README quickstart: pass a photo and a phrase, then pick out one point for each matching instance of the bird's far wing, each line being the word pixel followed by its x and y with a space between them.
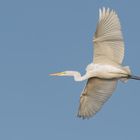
pixel 108 39
pixel 94 95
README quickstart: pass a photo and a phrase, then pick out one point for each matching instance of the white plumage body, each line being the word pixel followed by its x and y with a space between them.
pixel 107 71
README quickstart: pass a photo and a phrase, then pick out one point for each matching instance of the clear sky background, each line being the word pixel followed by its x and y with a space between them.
pixel 46 36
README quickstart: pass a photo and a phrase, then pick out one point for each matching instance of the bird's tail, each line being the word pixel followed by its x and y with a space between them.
pixel 135 77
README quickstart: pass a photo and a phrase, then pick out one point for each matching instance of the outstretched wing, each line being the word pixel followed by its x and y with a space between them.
pixel 95 94
pixel 108 39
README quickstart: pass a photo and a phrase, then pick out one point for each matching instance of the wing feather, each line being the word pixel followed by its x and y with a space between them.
pixel 108 39
pixel 94 95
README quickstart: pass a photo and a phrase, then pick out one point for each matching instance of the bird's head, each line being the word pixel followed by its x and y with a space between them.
pixel 64 73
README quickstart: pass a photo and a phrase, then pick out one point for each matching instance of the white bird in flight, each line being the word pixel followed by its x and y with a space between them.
pixel 104 72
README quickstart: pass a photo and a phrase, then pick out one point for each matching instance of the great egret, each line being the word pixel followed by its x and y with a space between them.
pixel 106 69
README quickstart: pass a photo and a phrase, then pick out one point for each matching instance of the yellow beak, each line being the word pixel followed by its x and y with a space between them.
pixel 57 74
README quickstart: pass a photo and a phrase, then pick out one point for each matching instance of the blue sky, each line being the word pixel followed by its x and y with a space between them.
pixel 46 36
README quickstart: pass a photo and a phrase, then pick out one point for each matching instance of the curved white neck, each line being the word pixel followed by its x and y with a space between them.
pixel 77 76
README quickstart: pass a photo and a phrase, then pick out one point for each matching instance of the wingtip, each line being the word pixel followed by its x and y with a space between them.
pixel 105 11
pixel 83 117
